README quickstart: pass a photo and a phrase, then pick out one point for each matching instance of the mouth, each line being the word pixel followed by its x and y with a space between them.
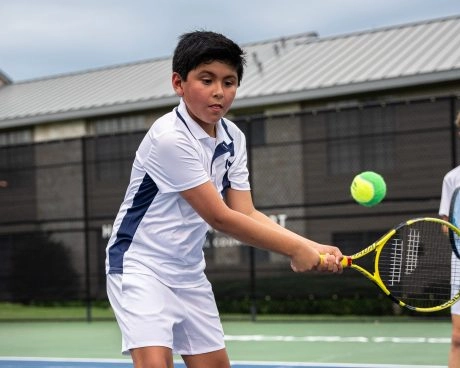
pixel 216 107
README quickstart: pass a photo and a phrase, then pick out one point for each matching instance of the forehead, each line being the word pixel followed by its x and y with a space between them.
pixel 217 67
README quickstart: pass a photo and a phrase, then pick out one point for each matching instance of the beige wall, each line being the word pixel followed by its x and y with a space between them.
pixel 59 130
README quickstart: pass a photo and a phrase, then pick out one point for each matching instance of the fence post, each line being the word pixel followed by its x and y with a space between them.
pixel 86 230
pixel 252 255
pixel 453 130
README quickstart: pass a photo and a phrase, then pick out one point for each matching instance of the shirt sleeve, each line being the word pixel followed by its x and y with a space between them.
pixel 174 163
pixel 446 194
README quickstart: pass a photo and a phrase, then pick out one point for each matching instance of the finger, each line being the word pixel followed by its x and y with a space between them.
pixel 293 267
pixel 329 262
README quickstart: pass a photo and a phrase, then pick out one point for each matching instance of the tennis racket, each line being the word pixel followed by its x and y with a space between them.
pixel 454 219
pixel 412 264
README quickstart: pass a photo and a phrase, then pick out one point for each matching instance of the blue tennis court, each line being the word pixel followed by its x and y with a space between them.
pixel 116 363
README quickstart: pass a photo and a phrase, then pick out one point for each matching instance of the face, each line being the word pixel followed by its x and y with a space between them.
pixel 208 92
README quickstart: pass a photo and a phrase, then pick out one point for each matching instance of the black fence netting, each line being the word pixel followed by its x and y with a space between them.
pixel 61 198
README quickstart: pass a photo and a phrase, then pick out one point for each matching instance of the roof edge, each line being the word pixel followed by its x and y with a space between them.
pixel 5 79
pixel 243 102
pixel 349 89
pixel 90 112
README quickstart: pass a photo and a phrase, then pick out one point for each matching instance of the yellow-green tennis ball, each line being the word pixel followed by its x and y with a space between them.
pixel 368 188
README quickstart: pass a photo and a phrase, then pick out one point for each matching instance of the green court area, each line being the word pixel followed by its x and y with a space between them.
pixel 406 341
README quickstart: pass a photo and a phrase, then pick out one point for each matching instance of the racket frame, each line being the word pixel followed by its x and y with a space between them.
pixel 348 261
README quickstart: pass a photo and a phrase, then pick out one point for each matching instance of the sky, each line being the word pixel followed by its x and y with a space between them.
pixel 41 38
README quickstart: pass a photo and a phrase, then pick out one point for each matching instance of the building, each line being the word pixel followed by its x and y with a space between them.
pixel 316 112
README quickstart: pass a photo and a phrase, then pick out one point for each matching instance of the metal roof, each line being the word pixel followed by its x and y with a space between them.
pixel 287 69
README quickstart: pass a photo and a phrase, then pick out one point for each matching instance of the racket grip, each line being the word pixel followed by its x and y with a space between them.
pixel 346 260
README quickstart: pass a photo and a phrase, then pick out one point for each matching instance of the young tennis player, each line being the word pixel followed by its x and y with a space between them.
pixel 190 175
pixel 450 182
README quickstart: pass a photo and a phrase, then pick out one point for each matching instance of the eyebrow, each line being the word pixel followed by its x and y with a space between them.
pixel 207 71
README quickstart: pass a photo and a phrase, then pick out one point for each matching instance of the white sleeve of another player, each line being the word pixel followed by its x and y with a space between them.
pixel 446 195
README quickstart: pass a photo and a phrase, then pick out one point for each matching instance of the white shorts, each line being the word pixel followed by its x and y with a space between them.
pixel 150 313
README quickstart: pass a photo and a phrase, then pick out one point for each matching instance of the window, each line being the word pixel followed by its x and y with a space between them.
pixel 15 137
pixel 359 139
pixel 114 151
pixel 119 124
pixel 114 155
pixel 254 130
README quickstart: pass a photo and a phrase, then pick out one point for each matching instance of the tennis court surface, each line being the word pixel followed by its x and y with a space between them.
pixel 327 344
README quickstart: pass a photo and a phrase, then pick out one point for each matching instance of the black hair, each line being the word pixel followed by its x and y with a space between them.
pixel 199 47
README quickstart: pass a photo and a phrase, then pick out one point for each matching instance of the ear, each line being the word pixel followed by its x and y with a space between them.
pixel 177 84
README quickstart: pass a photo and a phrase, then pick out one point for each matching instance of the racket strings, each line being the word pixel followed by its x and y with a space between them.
pixel 396 262
pixel 413 246
pixel 416 265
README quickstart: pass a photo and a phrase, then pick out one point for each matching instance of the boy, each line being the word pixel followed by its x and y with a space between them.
pixel 190 174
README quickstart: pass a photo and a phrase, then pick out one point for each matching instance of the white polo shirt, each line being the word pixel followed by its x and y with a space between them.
pixel 450 182
pixel 156 231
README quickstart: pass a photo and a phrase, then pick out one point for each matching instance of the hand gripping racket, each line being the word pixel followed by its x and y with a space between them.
pixel 454 219
pixel 412 264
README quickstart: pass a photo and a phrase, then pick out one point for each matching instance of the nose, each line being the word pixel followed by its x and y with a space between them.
pixel 218 90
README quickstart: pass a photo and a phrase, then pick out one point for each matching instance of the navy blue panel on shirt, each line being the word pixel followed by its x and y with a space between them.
pixel 141 202
pixel 226 129
pixel 225 182
pixel 221 149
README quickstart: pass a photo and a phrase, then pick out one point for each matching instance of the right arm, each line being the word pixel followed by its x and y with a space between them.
pixel 262 234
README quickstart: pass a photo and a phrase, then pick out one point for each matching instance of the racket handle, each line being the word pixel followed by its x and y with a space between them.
pixel 346 260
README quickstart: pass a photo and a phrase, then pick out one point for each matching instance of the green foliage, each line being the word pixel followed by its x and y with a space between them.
pixel 348 294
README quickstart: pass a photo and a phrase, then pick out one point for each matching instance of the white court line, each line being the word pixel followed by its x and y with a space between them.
pixel 76 360
pixel 333 365
pixel 360 339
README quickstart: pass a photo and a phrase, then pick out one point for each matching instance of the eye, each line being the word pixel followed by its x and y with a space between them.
pixel 229 82
pixel 206 81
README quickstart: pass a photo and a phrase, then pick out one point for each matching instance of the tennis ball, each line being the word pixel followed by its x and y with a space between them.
pixel 368 188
